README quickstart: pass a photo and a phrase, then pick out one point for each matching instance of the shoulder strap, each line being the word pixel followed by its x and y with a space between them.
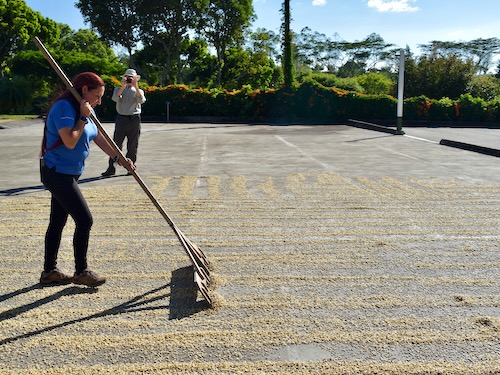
pixel 44 148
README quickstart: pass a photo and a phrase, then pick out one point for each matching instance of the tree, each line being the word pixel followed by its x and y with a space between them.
pixel 365 55
pixel 74 50
pixel 437 77
pixel 484 86
pixel 117 21
pixel 199 66
pixel 317 51
pixel 264 41
pixel 166 23
pixel 288 71
pixel 376 83
pixel 85 41
pixel 16 93
pixel 243 67
pixel 18 25
pixel 481 51
pixel 224 22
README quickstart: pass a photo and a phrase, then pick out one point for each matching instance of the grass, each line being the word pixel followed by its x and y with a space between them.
pixel 17 117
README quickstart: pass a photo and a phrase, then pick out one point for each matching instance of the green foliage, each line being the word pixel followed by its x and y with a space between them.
pixel 33 65
pixel 375 83
pixel 471 109
pixel 246 79
pixel 245 68
pixel 88 42
pixel 116 20
pixel 437 77
pixel 16 95
pixel 307 102
pixel 421 108
pixel 331 80
pixel 481 51
pixel 493 110
pixel 465 108
pixel 224 23
pixel 351 69
pixel 74 51
pixel 486 87
pixel 78 62
pixel 18 25
pixel 199 65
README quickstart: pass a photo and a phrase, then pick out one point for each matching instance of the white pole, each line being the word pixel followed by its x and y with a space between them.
pixel 401 83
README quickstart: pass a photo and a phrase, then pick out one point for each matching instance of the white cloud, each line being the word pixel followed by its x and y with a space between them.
pixel 392 5
pixel 319 3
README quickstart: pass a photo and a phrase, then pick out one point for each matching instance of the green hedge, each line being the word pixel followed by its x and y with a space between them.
pixel 309 102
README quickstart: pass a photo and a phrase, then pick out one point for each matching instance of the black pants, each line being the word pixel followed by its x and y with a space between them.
pixel 67 199
pixel 127 127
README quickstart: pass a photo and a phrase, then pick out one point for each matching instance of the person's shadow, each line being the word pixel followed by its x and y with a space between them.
pixel 183 302
pixel 37 188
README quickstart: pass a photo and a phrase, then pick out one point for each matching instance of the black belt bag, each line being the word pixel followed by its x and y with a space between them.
pixel 44 170
pixel 42 166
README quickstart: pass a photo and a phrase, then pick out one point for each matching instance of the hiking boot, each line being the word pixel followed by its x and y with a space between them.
pixel 108 172
pixel 55 277
pixel 88 278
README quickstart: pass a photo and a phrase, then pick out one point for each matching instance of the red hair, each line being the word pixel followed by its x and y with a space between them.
pixel 89 79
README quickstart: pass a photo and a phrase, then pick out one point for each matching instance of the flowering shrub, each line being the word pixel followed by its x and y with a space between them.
pixel 309 102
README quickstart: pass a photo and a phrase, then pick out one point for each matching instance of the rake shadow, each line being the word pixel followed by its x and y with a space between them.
pixel 184 294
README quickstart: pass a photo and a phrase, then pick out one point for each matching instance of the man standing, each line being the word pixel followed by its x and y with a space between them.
pixel 129 98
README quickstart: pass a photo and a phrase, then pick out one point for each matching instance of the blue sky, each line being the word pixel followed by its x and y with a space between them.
pixel 400 22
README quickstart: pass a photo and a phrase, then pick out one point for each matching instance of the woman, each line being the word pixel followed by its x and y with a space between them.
pixel 66 143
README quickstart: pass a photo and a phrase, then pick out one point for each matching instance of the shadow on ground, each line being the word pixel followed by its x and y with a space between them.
pixel 183 302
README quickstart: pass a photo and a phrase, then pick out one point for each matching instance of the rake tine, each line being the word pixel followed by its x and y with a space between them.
pixel 203 289
pixel 192 256
pixel 200 255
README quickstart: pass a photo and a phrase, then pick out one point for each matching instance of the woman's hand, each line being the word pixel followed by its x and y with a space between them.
pixel 85 108
pixel 129 164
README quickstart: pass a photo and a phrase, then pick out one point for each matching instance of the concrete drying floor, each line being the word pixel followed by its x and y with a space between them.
pixel 337 250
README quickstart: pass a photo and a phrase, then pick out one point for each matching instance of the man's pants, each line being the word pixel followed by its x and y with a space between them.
pixel 127 127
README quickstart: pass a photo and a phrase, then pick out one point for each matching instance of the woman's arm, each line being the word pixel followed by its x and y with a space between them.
pixel 70 136
pixel 110 151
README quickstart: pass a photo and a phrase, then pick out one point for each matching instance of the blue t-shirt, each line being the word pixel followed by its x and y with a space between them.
pixel 72 162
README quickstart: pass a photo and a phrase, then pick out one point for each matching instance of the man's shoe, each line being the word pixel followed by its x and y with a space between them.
pixel 108 172
pixel 55 277
pixel 88 278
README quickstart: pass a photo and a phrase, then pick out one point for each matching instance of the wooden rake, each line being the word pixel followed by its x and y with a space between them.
pixel 200 263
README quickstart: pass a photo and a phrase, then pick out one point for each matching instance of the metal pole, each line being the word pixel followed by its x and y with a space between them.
pixel 401 83
pixel 168 111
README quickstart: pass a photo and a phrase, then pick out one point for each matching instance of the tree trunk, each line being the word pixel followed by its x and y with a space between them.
pixel 287 46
